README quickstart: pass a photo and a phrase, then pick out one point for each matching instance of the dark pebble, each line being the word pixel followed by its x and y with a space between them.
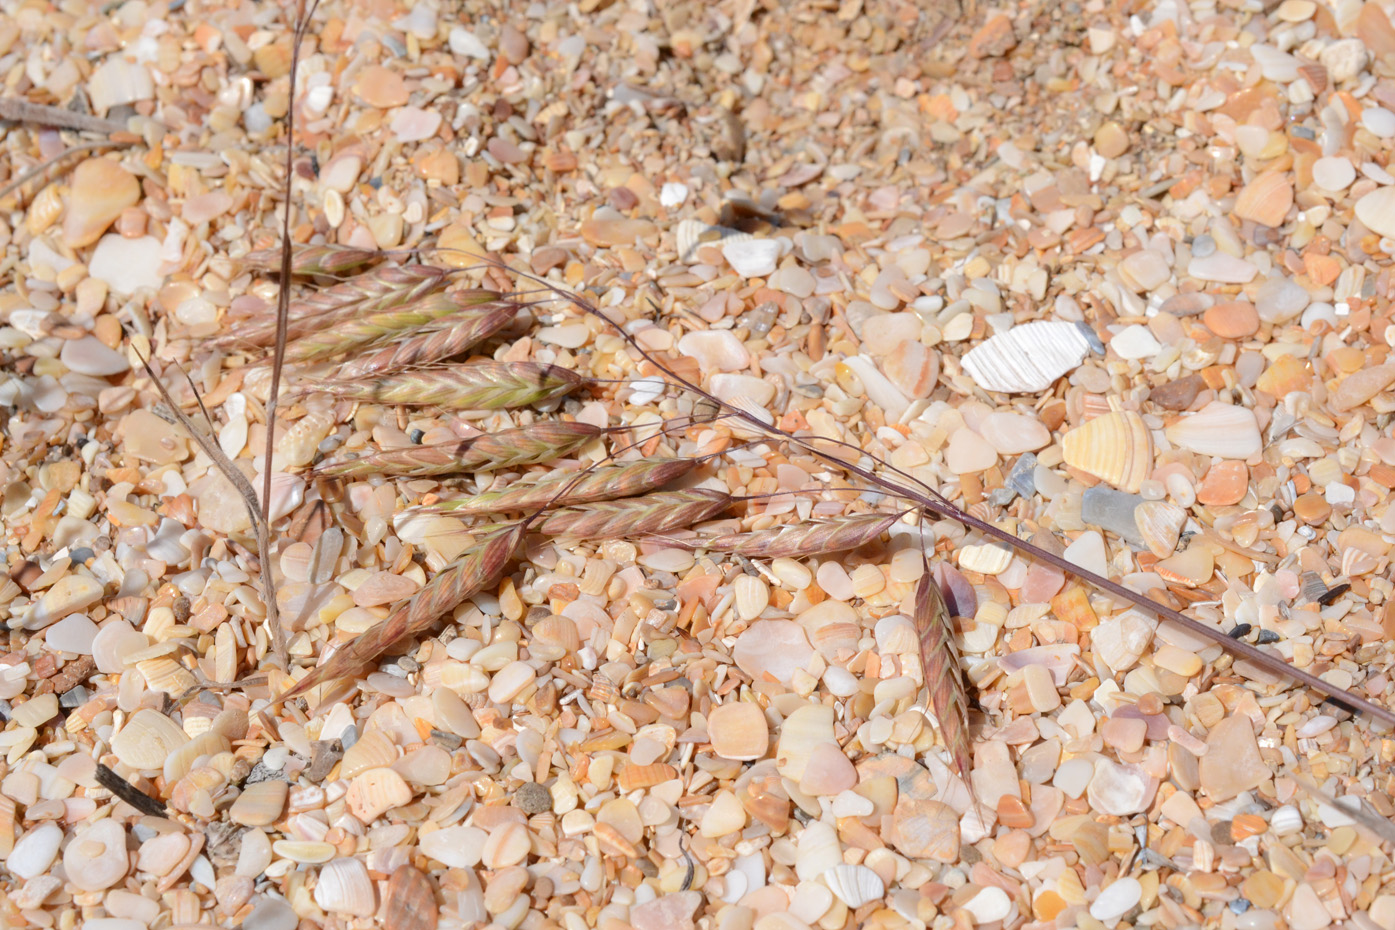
pixel 533 798
pixel 1179 394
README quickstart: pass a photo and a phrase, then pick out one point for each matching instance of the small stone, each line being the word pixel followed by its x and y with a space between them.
pixel 74 634
pixel 206 207
pixel 724 816
pixel 1179 394
pixel 1312 508
pixel 1111 140
pixel 413 124
pixel 101 189
pixel 669 912
pixel 1362 385
pixel 1117 899
pixel 1134 342
pixel 1334 173
pixel 1224 485
pixel 738 730
pixel 87 356
pixel 1120 789
pixel 990 905
pixel 752 258
pixel 379 87
pixel 72 594
pixel 994 39
pixel 1145 269
pixel 1305 910
pixel 1222 268
pixel 466 44
pixel 1376 211
pixel 513 44
pixel 260 805
pixel 1344 59
pixel 618 231
pixel 1279 300
pixel 969 452
pixel 341 174
pixel 715 350
pixel 127 265
pixel 533 798
pixel 1113 511
pixel 924 829
pixel 777 648
pixel 793 280
pixel 1014 433
pixel 1232 762
pixel 1235 319
pixel 1124 734
pixel 828 772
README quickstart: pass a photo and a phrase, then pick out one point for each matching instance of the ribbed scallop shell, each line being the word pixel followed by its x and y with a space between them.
pixel 691 233
pixel 1027 358
pixel 1160 525
pixel 855 885
pixel 345 888
pixel 373 750
pixel 1116 448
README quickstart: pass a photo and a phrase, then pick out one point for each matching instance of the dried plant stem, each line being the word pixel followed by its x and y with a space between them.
pixel 484 385
pixel 796 540
pixel 660 512
pixel 941 669
pixel 931 501
pixel 480 565
pixel 527 445
pixel 606 483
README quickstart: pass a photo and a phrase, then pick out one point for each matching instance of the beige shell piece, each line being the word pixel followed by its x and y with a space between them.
pixel 802 730
pixel 1028 358
pixel 46 208
pixel 97 858
pixel 692 233
pixel 167 675
pixel 345 888
pixel 738 730
pixel 179 762
pixel 261 804
pixel 1160 524
pixel 373 750
pixel 159 854
pixel 1115 447
pixel 147 740
pixel 375 792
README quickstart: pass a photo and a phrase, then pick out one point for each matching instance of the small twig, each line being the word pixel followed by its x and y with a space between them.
pixel 152 807
pixel 22 111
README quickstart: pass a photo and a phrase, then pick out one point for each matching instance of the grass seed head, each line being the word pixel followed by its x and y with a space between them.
pixel 797 540
pixel 609 482
pixel 660 512
pixel 481 385
pixel 527 445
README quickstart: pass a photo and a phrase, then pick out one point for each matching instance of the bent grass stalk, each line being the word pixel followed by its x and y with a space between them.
pixel 932 501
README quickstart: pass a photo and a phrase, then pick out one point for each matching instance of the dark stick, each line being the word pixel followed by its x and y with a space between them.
pixel 129 793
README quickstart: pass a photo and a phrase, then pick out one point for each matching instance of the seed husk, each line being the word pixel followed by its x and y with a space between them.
pixel 314 259
pixel 660 512
pixel 435 345
pixel 944 676
pixel 437 311
pixel 481 385
pixel 796 540
pixel 527 445
pixel 609 482
pixel 480 565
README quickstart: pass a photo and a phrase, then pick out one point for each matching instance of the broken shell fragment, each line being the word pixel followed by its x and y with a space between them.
pixel 1115 447
pixel 1027 358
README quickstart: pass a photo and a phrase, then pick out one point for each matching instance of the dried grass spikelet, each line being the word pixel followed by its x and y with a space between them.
pixel 944 677
pixel 660 512
pixel 800 539
pixel 369 292
pixel 436 345
pixel 313 259
pixel 527 445
pixel 434 311
pixel 484 385
pixel 1115 447
pixel 479 566
pixel 610 482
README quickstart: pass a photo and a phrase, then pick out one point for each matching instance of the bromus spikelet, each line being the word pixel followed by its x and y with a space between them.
pixel 370 329
pixel 797 540
pixel 527 445
pixel 483 385
pixel 480 565
pixel 435 345
pixel 660 512
pixel 609 482
pixel 314 259
pixel 369 292
pixel 944 677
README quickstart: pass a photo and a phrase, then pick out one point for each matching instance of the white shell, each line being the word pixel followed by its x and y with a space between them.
pixel 855 885
pixel 1286 821
pixel 1218 429
pixel 1027 358
pixel 344 887
pixel 690 233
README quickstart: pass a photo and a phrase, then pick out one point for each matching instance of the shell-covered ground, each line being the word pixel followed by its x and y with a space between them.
pixel 1114 277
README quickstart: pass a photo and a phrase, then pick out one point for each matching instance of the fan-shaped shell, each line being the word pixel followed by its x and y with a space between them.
pixel 1027 358
pixel 855 885
pixel 1116 448
pixel 345 888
